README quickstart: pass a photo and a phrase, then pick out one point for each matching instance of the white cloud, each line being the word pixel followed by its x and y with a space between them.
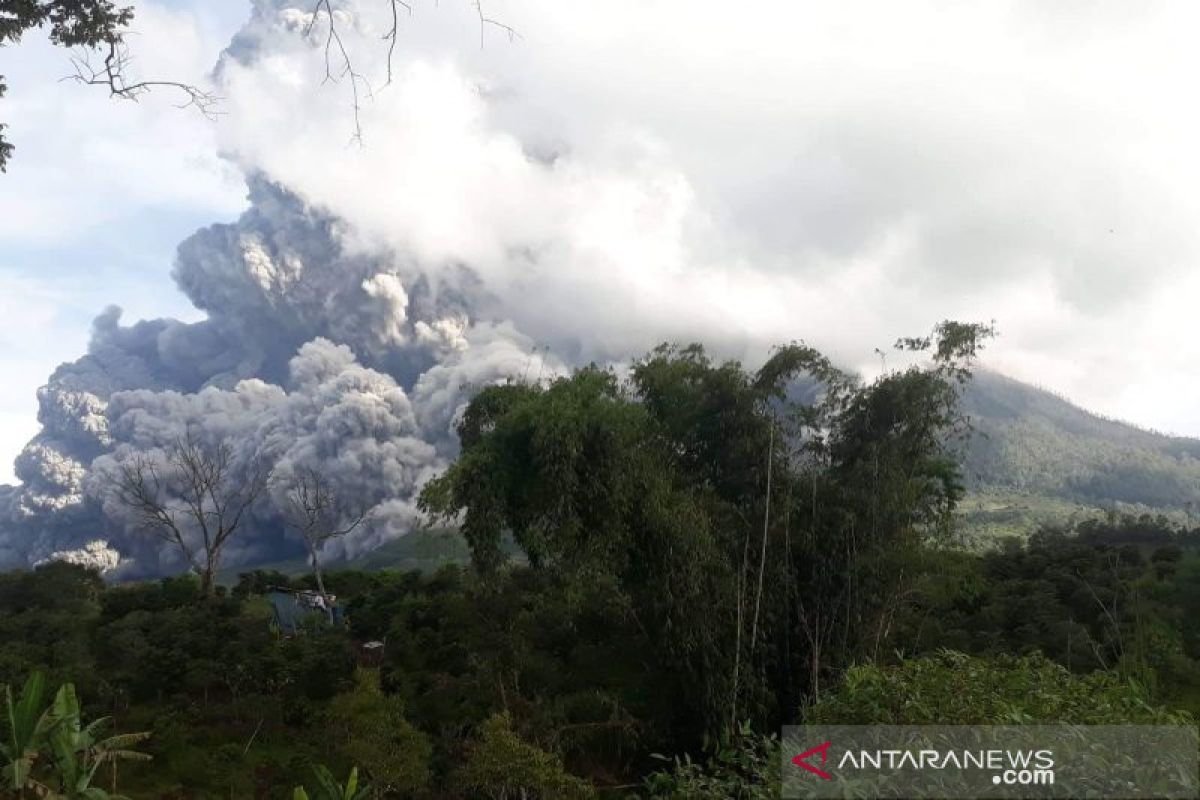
pixel 85 161
pixel 843 172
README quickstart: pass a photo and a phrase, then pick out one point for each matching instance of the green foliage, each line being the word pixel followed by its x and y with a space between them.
pixel 51 751
pixel 77 751
pixel 50 611
pixel 72 23
pixel 666 483
pixel 564 658
pixel 27 723
pixel 327 787
pixel 370 730
pixel 678 561
pixel 745 768
pixel 1115 595
pixel 951 688
pixel 499 765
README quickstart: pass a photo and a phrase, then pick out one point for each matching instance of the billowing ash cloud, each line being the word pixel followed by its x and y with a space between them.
pixel 312 357
pixel 364 296
pixel 627 173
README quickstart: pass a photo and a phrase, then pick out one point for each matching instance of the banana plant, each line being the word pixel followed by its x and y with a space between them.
pixel 329 789
pixel 28 723
pixel 77 750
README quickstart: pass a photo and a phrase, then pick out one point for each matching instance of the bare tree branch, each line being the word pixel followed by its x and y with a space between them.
pixel 391 35
pixel 334 38
pixel 313 508
pixel 112 74
pixel 485 21
pixel 101 30
pixel 339 65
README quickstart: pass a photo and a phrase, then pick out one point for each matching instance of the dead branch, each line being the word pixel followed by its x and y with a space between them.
pixel 485 21
pixel 333 38
pixel 112 74
pixel 391 35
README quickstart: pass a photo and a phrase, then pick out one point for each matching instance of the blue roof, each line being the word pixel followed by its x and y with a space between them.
pixel 295 610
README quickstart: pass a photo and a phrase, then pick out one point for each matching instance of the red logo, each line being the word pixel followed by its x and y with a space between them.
pixel 801 760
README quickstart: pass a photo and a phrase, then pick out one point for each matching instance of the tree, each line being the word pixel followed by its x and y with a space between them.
pixel 192 494
pixel 312 507
pixel 94 27
pixel 77 751
pixel 54 741
pixel 759 522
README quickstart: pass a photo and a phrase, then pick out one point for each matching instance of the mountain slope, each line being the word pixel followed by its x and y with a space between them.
pixel 1036 457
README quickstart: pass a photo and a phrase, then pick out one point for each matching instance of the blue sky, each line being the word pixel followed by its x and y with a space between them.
pixel 81 225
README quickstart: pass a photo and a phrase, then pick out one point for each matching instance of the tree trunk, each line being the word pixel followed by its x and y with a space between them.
pixel 316 568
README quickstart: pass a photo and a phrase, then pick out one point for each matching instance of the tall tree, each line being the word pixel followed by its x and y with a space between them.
pixel 758 521
pixel 312 507
pixel 193 494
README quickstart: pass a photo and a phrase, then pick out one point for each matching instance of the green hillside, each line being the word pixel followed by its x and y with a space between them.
pixel 1036 459
pixel 424 550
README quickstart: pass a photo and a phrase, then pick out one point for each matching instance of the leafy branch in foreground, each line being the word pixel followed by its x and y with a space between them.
pixel 89 26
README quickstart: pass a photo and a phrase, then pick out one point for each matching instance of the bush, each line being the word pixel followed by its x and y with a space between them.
pixel 951 688
pixel 501 765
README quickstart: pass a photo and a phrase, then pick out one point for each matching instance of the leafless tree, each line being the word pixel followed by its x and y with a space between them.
pixel 196 497
pixel 312 506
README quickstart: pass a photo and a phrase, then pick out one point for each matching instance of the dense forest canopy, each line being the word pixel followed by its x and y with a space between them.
pixel 676 560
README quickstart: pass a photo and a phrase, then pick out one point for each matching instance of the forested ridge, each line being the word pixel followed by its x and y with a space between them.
pixel 660 569
pixel 1031 440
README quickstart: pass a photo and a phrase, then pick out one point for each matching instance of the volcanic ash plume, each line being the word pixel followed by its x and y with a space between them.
pixel 310 359
pixel 364 295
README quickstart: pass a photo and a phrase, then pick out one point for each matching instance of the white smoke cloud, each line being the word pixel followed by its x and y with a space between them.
pixel 842 172
pixel 95 554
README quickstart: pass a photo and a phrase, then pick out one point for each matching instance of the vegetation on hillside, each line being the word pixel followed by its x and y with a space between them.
pixel 1034 443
